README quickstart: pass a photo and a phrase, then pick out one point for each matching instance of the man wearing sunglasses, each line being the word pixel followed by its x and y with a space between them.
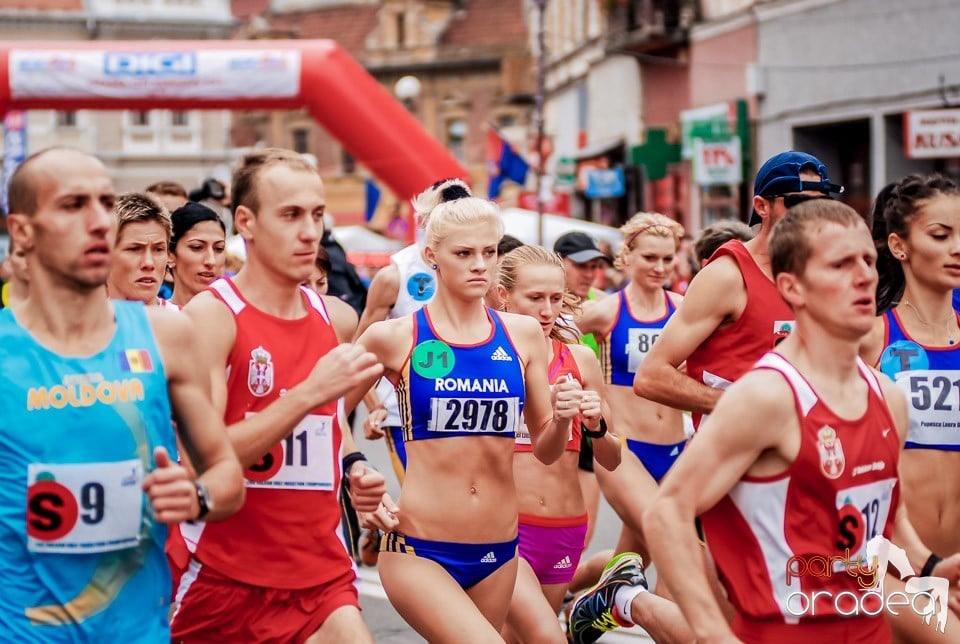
pixel 732 313
pixel 730 316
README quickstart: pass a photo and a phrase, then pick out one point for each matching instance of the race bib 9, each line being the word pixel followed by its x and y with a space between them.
pixel 301 461
pixel 84 508
pixel 482 416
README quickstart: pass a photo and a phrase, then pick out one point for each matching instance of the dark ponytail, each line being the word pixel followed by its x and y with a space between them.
pixel 893 212
pixel 892 281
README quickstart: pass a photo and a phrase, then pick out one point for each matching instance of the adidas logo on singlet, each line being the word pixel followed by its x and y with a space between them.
pixel 563 564
pixel 501 354
pixel 489 558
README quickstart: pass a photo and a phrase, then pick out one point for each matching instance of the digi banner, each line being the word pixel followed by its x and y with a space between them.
pixel 200 74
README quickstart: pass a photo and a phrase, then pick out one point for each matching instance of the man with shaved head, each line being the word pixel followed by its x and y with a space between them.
pixel 86 388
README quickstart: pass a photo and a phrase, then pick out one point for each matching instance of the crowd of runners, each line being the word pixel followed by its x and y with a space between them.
pixel 178 467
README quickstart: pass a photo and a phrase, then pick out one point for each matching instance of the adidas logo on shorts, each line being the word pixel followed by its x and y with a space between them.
pixel 489 558
pixel 501 354
pixel 563 564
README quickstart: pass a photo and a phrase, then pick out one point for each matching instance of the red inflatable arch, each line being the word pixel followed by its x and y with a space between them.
pixel 232 74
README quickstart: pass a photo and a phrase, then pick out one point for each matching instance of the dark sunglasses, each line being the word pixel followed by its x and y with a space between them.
pixel 796 198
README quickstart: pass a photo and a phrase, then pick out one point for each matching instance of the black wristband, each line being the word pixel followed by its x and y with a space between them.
pixel 931 563
pixel 590 433
pixel 348 462
pixel 204 500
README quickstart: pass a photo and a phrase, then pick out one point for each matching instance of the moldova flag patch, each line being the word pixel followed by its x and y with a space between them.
pixel 136 361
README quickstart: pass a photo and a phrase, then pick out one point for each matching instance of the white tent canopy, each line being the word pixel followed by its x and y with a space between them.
pixel 522 224
pixel 364 240
pixel 518 222
pixel 353 238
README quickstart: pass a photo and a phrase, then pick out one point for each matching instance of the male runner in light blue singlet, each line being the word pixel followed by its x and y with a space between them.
pixel 86 388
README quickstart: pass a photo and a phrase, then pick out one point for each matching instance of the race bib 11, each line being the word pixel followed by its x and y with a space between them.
pixel 301 461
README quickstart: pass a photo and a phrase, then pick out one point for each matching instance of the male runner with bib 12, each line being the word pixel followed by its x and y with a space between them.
pixel 799 452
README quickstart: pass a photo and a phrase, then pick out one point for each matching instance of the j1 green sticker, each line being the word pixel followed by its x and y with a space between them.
pixel 432 359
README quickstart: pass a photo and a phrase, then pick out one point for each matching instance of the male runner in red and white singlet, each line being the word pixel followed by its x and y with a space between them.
pixel 279 570
pixel 798 463
pixel 732 312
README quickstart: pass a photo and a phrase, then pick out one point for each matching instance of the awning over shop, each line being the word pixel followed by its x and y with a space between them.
pixel 596 150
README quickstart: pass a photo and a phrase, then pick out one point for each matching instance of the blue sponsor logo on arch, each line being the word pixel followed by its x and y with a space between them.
pixel 150 63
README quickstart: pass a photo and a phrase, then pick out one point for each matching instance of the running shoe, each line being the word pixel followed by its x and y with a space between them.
pixel 595 612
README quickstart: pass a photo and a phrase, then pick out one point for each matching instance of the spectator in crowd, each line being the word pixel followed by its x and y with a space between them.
pixel 713 237
pixel 170 193
pixel 342 278
pixel 215 195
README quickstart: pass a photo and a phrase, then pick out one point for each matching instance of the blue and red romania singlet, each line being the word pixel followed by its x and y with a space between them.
pixel 448 390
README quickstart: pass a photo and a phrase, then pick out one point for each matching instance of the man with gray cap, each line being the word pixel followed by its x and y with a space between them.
pixel 581 260
pixel 730 316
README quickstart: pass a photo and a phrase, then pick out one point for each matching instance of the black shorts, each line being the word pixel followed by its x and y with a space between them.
pixel 586 455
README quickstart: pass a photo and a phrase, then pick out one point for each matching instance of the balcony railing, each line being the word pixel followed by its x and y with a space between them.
pixel 648 25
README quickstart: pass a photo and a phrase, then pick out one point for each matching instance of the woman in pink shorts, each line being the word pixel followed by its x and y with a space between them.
pixel 553 515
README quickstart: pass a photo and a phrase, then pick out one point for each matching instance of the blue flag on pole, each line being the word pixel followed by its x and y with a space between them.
pixel 373 198
pixel 504 163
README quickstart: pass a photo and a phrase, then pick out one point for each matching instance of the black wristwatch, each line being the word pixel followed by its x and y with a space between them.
pixel 590 433
pixel 204 500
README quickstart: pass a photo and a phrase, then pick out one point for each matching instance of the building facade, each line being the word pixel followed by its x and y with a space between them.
pixel 139 147
pixel 876 98
pixel 460 66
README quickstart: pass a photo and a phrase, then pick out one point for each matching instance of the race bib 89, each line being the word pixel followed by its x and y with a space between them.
pixel 639 342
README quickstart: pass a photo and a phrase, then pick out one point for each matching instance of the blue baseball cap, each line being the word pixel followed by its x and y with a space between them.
pixel 780 175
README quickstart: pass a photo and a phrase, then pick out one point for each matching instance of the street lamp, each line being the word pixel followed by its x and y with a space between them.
pixel 407 89
pixel 538 108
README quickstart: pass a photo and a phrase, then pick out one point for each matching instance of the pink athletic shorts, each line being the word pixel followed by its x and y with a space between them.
pixel 552 546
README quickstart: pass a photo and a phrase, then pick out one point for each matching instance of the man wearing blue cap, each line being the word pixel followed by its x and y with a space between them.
pixel 731 315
